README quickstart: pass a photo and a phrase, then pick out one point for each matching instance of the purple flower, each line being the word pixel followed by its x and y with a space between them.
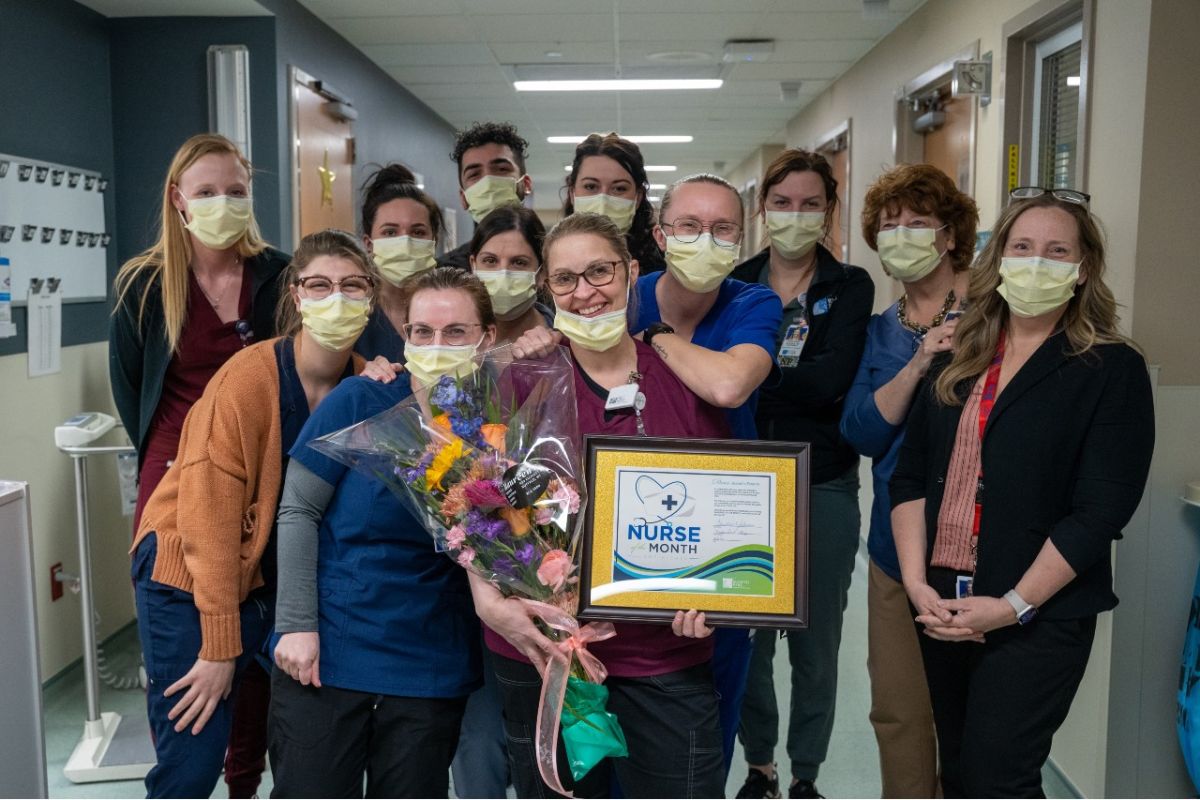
pixel 504 567
pixel 445 394
pixel 526 553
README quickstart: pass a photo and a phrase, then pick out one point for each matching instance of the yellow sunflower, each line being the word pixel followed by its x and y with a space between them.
pixel 442 463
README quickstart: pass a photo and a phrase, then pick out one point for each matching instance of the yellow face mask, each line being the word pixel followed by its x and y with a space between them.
pixel 489 193
pixel 909 253
pixel 795 233
pixel 218 221
pixel 334 322
pixel 700 265
pixel 401 257
pixel 618 209
pixel 513 291
pixel 598 333
pixel 1034 286
pixel 429 362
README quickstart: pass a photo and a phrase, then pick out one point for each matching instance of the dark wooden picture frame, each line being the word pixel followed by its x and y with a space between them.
pixel 793 455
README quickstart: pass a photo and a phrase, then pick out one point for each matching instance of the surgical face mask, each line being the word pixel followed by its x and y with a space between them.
pixel 512 291
pixel 909 253
pixel 401 257
pixel 700 265
pixel 619 209
pixel 489 193
pixel 1034 286
pixel 334 322
pixel 429 362
pixel 218 221
pixel 795 233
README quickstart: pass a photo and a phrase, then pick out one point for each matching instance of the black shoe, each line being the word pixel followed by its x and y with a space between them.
pixel 804 789
pixel 759 785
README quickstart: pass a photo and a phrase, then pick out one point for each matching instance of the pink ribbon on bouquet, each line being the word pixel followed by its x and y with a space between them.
pixel 554 681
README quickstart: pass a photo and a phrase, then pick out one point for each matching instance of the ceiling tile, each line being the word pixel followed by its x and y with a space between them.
pixel 416 55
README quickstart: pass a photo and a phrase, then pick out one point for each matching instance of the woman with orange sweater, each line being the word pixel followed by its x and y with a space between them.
pixel 203 557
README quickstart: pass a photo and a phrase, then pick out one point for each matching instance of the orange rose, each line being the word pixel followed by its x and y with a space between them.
pixel 493 433
pixel 442 421
pixel 516 518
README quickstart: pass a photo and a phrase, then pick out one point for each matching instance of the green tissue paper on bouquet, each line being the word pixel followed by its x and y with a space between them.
pixel 590 733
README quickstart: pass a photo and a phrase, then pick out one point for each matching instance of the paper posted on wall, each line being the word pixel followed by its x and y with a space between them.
pixel 45 327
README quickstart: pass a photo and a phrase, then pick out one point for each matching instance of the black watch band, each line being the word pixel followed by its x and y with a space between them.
pixel 654 329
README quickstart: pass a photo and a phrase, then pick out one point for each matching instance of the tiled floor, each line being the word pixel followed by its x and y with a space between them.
pixel 852 768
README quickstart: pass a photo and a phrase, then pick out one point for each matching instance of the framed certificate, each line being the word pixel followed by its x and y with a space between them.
pixel 716 525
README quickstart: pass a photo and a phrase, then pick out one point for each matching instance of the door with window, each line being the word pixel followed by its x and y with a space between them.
pixel 836 149
pixel 1054 146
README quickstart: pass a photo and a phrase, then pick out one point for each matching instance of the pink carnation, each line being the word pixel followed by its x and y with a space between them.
pixel 555 569
pixel 484 494
pixel 544 515
pixel 568 497
pixel 466 556
pixel 456 537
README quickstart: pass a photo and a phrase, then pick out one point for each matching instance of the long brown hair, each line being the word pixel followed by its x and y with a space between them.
pixel 1090 317
pixel 329 242
pixel 166 263
pixel 640 237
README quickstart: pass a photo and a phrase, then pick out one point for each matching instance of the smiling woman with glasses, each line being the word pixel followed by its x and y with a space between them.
pixel 660 677
pixel 353 564
pixel 204 554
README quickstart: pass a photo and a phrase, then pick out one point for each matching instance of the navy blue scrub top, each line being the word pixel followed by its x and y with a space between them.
pixel 395 616
pixel 380 338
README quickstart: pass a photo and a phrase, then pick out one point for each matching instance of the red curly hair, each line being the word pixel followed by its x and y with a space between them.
pixel 924 189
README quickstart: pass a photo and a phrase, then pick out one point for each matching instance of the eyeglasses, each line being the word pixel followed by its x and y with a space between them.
pixel 1065 195
pixel 687 230
pixel 458 333
pixel 597 273
pixel 354 287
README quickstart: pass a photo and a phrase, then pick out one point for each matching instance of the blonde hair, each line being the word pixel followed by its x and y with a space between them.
pixel 1090 317
pixel 167 260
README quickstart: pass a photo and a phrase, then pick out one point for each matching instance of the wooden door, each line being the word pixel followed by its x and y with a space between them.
pixel 324 181
pixel 949 147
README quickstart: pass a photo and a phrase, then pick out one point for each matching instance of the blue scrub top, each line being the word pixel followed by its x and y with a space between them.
pixel 380 338
pixel 395 617
pixel 889 347
pixel 745 313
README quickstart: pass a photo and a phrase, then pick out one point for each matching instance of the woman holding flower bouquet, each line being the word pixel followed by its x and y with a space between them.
pixel 203 558
pixel 380 644
pixel 659 677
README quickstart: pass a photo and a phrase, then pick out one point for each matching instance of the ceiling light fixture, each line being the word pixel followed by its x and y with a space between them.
pixel 634 139
pixel 657 187
pixel 618 85
pixel 649 168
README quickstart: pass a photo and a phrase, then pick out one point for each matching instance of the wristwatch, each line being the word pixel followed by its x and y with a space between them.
pixel 654 329
pixel 1024 611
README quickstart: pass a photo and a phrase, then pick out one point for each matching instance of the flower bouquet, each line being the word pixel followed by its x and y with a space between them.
pixel 488 462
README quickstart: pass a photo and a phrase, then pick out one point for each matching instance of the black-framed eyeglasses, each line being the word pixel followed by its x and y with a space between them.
pixel 1065 195
pixel 688 230
pixel 597 273
pixel 454 334
pixel 353 287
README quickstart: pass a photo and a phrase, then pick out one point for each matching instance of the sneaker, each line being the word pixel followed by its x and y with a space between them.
pixel 804 789
pixel 759 785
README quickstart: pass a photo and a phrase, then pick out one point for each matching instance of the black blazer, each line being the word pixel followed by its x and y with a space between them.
pixel 806 404
pixel 1065 457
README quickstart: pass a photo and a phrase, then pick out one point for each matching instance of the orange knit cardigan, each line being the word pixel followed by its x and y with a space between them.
pixel 214 510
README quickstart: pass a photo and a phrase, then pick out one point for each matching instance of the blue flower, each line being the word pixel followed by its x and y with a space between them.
pixel 504 566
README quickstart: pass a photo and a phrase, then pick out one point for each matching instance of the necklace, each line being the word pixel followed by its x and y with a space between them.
pixel 916 327
pixel 216 302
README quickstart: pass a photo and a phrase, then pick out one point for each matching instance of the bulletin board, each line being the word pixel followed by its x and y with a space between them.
pixel 52 225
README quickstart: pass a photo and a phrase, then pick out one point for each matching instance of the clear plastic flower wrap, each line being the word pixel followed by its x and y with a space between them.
pixel 490 464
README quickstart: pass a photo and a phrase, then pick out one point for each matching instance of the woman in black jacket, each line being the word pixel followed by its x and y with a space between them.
pixel 826 308
pixel 1026 454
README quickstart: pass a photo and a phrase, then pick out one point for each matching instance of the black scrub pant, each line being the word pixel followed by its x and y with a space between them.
pixel 997 705
pixel 322 742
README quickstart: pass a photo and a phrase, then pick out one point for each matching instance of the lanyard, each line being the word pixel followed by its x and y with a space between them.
pixel 986 402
